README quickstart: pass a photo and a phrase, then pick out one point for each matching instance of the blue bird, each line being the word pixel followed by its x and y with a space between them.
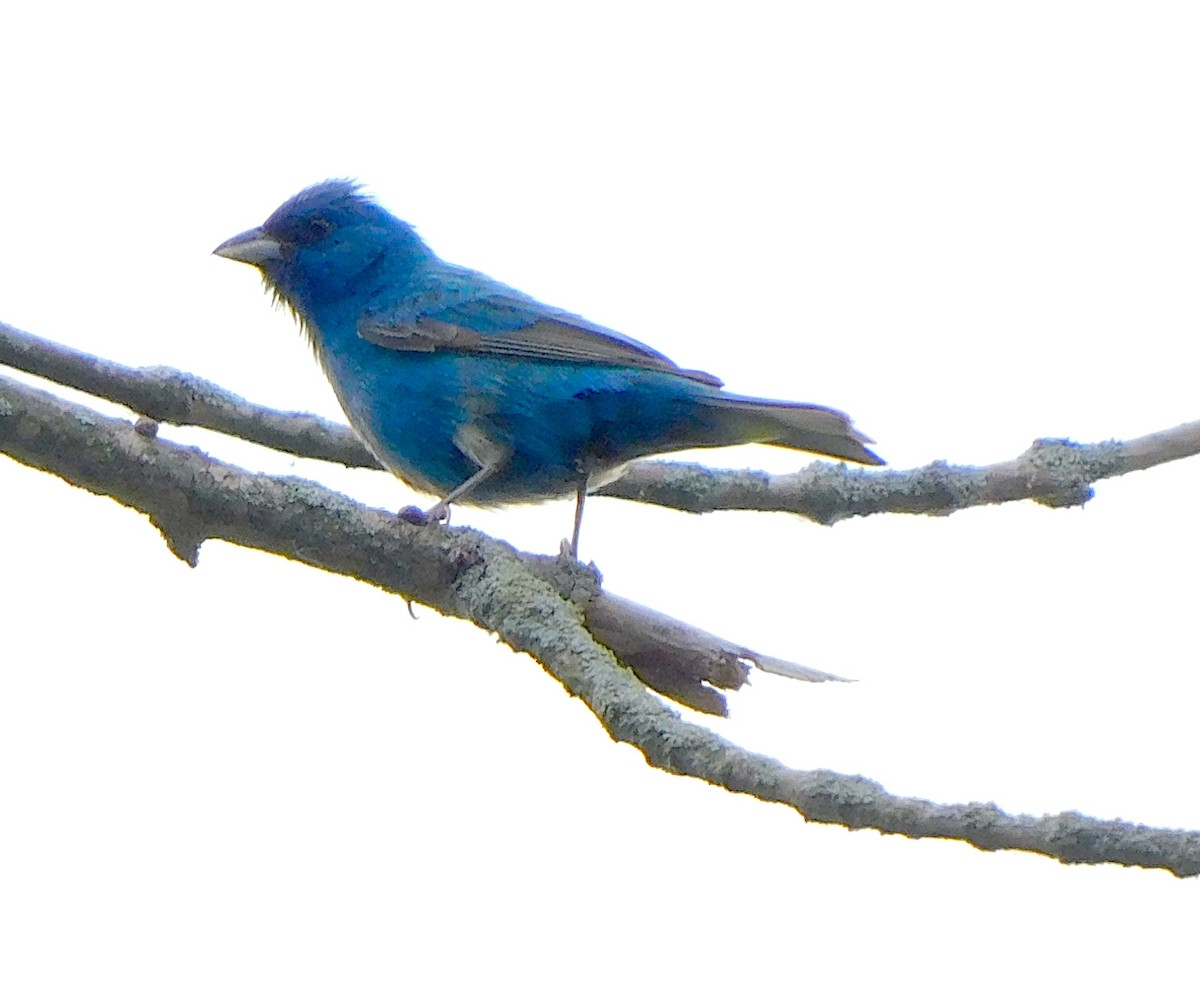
pixel 473 391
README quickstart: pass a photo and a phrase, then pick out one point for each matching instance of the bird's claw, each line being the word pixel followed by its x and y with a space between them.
pixel 413 515
pixel 416 516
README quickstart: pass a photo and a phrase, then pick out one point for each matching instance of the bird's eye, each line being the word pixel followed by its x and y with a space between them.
pixel 300 232
pixel 314 230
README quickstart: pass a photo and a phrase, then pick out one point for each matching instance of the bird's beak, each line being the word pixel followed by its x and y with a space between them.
pixel 253 247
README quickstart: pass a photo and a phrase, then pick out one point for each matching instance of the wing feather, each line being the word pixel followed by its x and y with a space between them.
pixel 503 325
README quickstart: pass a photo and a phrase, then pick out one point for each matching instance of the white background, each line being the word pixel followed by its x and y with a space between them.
pixel 968 225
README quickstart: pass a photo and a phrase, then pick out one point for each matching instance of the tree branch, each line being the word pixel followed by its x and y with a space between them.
pixel 179 398
pixel 191 497
pixel 186 503
pixel 1053 472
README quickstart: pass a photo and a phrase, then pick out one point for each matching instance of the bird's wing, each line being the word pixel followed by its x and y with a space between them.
pixel 497 321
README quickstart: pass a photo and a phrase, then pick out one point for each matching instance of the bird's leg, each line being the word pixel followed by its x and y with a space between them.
pixel 472 441
pixel 441 510
pixel 580 496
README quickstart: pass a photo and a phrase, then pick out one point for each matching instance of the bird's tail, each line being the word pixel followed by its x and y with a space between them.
pixel 791 426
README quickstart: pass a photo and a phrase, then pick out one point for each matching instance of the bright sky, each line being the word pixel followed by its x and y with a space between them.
pixel 968 225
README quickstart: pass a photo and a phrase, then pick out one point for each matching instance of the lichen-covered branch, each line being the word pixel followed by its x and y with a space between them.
pixel 192 497
pixel 1054 472
pixel 179 398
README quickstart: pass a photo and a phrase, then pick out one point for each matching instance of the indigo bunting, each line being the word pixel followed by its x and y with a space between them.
pixel 476 392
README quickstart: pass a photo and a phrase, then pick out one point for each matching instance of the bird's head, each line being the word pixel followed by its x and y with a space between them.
pixel 324 243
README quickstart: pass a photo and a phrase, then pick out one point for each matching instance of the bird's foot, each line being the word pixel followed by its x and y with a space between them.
pixel 579 582
pixel 440 512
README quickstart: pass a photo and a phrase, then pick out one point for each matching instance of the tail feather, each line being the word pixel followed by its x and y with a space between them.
pixel 807 427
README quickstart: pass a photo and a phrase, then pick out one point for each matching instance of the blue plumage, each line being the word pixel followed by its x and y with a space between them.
pixel 474 391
